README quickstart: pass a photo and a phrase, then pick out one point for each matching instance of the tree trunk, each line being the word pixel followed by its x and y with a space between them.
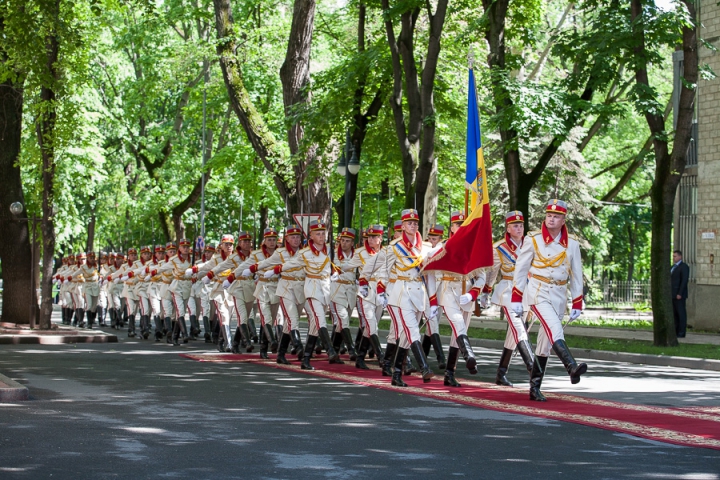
pixel 15 246
pixel 91 224
pixel 669 167
pixel 46 141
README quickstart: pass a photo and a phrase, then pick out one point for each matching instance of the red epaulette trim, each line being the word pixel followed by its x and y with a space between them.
pixel 517 295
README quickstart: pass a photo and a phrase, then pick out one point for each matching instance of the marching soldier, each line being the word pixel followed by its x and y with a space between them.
pixel 318 269
pixel 290 291
pixel 76 279
pixel 141 286
pixel 241 291
pixel 179 288
pixel 91 287
pixel 65 299
pixel 218 295
pixel 266 300
pixel 370 259
pixel 166 301
pixel 549 265
pixel 199 304
pixel 432 330
pixel 505 254
pixel 153 290
pixel 114 290
pixel 103 296
pixel 128 291
pixel 343 293
pixel 409 297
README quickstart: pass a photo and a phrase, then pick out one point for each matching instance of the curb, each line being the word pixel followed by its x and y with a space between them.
pixel 11 391
pixel 56 339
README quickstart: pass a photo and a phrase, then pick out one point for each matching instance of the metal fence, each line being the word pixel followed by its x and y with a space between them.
pixel 617 293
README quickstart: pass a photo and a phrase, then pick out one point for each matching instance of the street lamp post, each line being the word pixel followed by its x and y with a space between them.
pixel 348 164
pixel 16 208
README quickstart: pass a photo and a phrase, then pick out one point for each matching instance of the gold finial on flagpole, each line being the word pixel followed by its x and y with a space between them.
pixel 471 58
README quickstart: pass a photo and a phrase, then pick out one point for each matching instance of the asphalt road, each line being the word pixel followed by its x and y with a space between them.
pixel 138 410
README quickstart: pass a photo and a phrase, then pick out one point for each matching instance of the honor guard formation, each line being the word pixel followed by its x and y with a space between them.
pixel 533 277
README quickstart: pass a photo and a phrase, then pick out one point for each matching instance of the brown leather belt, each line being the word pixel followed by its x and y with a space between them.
pixel 507 277
pixel 267 280
pixel 409 279
pixel 288 277
pixel 316 277
pixel 548 280
pixel 345 282
pixel 451 279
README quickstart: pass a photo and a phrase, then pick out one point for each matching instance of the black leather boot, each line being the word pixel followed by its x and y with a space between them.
pixel 526 354
pixel 309 347
pixel 297 344
pixel 102 313
pixel 467 353
pixel 437 346
pixel 253 329
pixel 536 377
pixel 81 318
pixel 397 374
pixel 426 344
pixel 183 330
pixel 124 318
pixel 337 341
pixel 131 326
pixel 333 356
pixel 360 360
pixel 282 349
pixel 264 342
pixel 409 368
pixel 573 368
pixel 206 327
pixel 425 371
pixel 449 381
pixel 389 360
pixel 146 327
pixel 375 343
pixel 194 327
pixel 358 337
pixel 500 378
pixel 169 324
pixel 88 318
pixel 271 338
pixel 158 329
pixel 246 335
pixel 235 348
pixel 176 334
pixel 347 340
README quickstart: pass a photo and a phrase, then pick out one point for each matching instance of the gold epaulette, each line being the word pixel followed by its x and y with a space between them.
pixel 534 233
pixel 395 241
pixel 573 236
pixel 498 243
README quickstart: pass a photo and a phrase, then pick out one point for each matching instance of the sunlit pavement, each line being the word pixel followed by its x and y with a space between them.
pixel 137 410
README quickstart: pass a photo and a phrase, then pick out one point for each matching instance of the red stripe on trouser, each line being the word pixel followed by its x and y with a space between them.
pixel 428 328
pixel 178 310
pixel 510 322
pixel 394 321
pixel 548 332
pixel 262 317
pixel 361 311
pixel 315 315
pixel 452 325
pixel 339 320
pixel 237 312
pixel 284 310
pixel 219 315
pixel 405 327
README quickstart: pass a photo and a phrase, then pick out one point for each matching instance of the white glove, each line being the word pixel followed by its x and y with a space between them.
pixel 206 280
pixel 517 308
pixel 363 290
pixel 226 284
pixel 575 314
pixel 465 299
pixel 117 280
pixel 66 281
pixel 434 311
pixel 334 276
pixel 483 300
pixel 148 278
pixel 382 300
pixel 268 274
pixel 247 273
pixel 124 278
pixel 188 272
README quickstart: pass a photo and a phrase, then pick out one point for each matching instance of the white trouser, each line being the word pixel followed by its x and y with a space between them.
pixel 291 314
pixel 316 316
pixel 242 309
pixel 144 303
pixel 516 332
pixel 458 319
pixel 179 303
pixel 103 299
pixel 341 316
pixel 132 305
pixel 115 301
pixel 268 312
pixel 407 324
pixel 369 314
pixel 551 330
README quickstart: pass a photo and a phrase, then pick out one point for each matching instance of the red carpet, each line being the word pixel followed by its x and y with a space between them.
pixel 692 427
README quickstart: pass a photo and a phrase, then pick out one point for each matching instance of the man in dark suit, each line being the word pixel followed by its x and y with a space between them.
pixel 679 275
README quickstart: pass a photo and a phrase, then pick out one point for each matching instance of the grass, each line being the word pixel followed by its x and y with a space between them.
pixel 612 323
pixel 593 343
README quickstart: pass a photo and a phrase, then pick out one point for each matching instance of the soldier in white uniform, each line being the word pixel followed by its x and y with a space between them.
pixel 391 347
pixel 114 290
pixel 166 301
pixel 343 293
pixel 501 275
pixel 290 290
pixel 200 294
pixel 432 330
pixel 411 295
pixel 91 287
pixel 141 287
pixel 318 272
pixel 65 300
pixel 77 280
pixel 267 301
pixel 153 289
pixel 549 264
pixel 241 291
pixel 370 260
pixel 128 291
pixel 179 288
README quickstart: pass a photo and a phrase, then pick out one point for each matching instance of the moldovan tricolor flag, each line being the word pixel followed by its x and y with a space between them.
pixel 470 249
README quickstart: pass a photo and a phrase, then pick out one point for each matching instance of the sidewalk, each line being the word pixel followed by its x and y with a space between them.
pixel 12 334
